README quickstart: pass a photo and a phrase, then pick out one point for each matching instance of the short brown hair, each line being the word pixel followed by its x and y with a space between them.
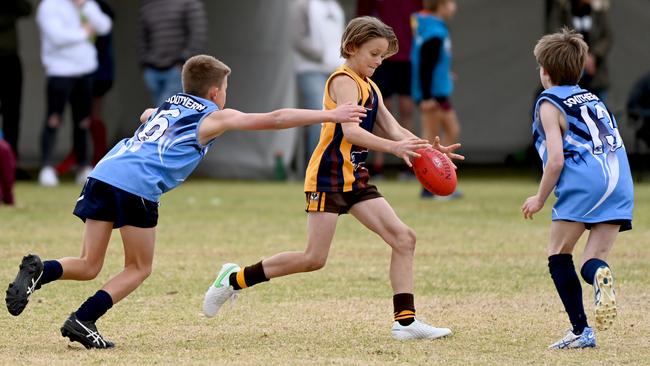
pixel 562 55
pixel 433 5
pixel 362 29
pixel 201 72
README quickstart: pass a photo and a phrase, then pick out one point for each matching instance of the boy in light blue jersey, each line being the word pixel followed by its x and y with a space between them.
pixel 124 189
pixel 585 161
pixel 432 79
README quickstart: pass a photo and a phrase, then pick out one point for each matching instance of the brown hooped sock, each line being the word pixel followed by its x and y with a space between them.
pixel 404 308
pixel 248 276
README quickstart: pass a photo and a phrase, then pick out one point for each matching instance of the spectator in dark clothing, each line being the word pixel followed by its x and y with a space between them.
pixel 169 32
pixel 432 77
pixel 638 107
pixel 102 81
pixel 68 29
pixel 11 72
pixel 589 18
pixel 394 75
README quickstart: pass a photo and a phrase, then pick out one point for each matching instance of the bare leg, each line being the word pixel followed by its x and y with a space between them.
pixel 430 123
pixel 377 215
pixel 138 260
pixel 600 242
pixel 450 126
pixel 320 231
pixel 406 107
pixel 564 236
pixel 89 263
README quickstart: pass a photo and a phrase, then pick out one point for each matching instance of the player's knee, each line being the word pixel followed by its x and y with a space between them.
pixel 145 272
pixel 84 124
pixel 405 240
pixel 314 262
pixel 91 271
pixel 54 120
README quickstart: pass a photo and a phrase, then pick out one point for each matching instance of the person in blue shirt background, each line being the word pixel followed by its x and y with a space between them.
pixel 432 79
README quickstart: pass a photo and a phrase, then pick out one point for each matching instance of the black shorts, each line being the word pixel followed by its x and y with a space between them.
pixel 104 202
pixel 339 202
pixel 624 224
pixel 444 103
pixel 393 77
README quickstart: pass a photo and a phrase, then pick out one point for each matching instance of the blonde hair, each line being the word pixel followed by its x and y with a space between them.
pixel 201 72
pixel 433 5
pixel 361 30
pixel 562 55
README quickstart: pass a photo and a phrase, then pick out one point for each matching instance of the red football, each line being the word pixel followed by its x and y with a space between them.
pixel 435 172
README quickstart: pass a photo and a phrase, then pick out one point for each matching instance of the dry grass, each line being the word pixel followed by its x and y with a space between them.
pixel 480 270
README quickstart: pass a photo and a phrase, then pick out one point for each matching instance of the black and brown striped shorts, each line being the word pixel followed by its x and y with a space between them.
pixel 339 202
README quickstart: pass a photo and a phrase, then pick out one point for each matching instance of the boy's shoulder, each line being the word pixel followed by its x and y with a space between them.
pixel 569 95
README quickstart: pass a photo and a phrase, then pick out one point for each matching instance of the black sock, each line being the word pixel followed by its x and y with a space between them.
pixel 248 276
pixel 568 287
pixel 52 271
pixel 403 308
pixel 96 306
pixel 588 270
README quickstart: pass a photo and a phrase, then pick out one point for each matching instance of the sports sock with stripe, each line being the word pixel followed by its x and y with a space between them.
pixel 568 287
pixel 403 308
pixel 248 276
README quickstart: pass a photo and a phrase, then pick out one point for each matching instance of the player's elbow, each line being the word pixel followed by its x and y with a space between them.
pixel 279 119
pixel 351 132
pixel 554 164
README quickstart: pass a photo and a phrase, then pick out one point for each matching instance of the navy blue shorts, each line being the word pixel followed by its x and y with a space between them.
pixel 104 202
pixel 625 224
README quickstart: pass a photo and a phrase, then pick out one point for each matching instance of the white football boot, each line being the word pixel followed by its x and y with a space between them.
pixel 585 340
pixel 220 291
pixel 418 330
pixel 604 298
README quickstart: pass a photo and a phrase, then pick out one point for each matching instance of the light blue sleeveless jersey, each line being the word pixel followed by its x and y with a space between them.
pixel 425 27
pixel 595 184
pixel 162 153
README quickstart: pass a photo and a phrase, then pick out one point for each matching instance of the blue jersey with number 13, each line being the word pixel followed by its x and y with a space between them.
pixel 595 184
pixel 162 153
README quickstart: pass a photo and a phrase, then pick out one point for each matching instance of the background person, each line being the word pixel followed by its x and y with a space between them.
pixel 68 28
pixel 169 32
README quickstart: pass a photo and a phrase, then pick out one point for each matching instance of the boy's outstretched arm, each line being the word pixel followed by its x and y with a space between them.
pixel 230 119
pixel 551 121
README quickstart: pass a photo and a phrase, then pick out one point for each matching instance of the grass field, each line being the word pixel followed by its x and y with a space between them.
pixel 480 270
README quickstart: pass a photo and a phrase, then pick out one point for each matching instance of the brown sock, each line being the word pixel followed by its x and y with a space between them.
pixel 404 309
pixel 248 276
